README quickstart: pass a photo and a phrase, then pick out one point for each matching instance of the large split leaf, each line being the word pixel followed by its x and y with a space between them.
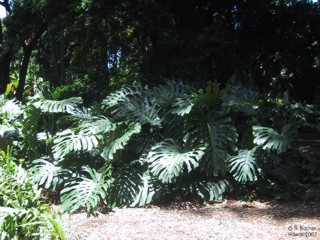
pixel 47 173
pixel 119 139
pixel 243 166
pixel 209 191
pixel 86 192
pixel 167 161
pixel 54 106
pixel 68 141
pixel 270 139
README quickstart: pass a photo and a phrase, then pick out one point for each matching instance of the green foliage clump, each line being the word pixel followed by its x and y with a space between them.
pixel 23 215
pixel 144 143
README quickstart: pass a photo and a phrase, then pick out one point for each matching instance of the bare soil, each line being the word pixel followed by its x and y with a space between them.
pixel 226 219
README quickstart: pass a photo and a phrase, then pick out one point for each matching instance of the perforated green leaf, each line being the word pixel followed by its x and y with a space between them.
pixel 182 106
pixel 47 173
pixel 119 139
pixel 270 139
pixel 243 166
pixel 167 161
pixel 209 191
pixel 222 141
pixel 241 99
pixel 85 192
pixel 138 109
pixel 54 106
pixel 133 187
pixel 122 95
pixel 68 141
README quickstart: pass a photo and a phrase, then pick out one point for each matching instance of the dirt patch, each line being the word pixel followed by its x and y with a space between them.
pixel 219 220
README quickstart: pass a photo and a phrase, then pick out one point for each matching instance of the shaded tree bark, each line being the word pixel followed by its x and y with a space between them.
pixel 5 60
pixel 28 47
pixel 23 71
pixel 62 63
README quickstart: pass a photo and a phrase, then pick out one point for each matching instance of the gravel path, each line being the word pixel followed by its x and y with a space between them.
pixel 224 220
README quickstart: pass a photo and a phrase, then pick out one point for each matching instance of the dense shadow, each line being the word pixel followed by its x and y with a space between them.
pixel 272 209
pixel 281 211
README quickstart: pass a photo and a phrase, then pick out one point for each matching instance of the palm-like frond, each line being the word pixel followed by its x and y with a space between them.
pixel 209 191
pixel 54 106
pixel 46 173
pixel 125 187
pixel 90 132
pixel 270 139
pixel 83 113
pixel 119 138
pixel 243 166
pixel 167 161
pixel 85 192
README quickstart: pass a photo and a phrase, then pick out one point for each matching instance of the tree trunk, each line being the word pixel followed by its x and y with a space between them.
pixel 62 63
pixel 28 47
pixel 27 50
pixel 5 60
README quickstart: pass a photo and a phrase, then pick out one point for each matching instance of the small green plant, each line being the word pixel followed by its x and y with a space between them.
pixel 23 215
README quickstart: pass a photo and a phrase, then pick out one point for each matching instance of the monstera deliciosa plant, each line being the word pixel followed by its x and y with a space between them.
pixel 142 143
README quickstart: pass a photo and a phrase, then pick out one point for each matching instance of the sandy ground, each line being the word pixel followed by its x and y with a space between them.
pixel 219 220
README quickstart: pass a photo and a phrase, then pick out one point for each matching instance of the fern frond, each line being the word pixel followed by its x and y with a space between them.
pixel 119 138
pixel 57 228
pixel 30 127
pixel 85 192
pixel 243 166
pixel 167 161
pixel 54 106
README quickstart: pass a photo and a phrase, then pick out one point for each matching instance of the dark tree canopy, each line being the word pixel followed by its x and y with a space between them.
pixel 92 46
